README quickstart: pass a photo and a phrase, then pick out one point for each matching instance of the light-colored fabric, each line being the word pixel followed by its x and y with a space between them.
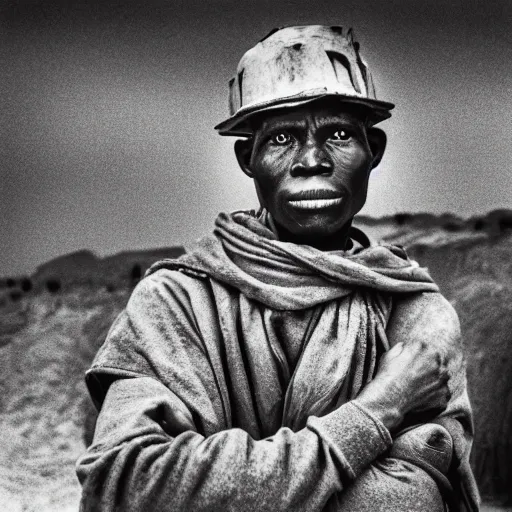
pixel 393 479
pixel 240 391
pixel 245 254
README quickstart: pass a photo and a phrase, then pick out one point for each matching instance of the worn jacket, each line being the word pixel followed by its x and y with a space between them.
pixel 230 382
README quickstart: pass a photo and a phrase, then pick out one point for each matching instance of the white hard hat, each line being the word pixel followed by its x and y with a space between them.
pixel 295 65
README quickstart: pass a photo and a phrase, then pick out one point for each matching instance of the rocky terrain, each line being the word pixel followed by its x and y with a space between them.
pixel 52 323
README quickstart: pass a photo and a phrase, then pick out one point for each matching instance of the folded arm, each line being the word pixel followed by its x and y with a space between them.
pixel 429 319
pixel 429 457
pixel 148 455
pixel 164 441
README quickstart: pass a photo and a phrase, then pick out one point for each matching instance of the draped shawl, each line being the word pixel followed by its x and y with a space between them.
pixel 337 303
pixel 242 252
pixel 246 255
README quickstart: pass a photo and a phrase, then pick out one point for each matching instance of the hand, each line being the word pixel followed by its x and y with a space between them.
pixel 410 378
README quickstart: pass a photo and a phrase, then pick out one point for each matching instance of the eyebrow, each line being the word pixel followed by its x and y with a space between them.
pixel 322 123
pixel 283 124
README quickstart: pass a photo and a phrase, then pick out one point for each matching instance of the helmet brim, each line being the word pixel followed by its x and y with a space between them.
pixel 238 125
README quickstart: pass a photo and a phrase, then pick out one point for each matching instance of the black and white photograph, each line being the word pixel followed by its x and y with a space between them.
pixel 255 256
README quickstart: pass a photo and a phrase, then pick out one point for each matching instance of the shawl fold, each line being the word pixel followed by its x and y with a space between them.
pixel 245 254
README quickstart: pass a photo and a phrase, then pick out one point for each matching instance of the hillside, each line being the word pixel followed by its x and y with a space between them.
pixel 52 323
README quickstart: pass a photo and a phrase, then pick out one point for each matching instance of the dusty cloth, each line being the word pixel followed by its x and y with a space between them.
pixel 235 373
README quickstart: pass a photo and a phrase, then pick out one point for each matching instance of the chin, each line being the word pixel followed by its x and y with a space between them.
pixel 316 229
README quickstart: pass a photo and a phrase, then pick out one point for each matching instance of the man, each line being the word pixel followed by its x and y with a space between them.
pixel 285 363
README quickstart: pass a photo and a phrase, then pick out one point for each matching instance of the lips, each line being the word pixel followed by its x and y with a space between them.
pixel 315 199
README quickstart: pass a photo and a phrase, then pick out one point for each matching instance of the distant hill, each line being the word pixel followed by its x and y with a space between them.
pixel 53 322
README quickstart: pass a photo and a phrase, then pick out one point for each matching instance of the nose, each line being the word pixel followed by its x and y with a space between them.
pixel 311 160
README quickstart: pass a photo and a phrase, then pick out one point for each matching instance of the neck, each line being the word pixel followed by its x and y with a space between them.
pixel 338 241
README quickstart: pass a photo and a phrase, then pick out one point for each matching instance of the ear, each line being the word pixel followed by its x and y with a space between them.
pixel 243 151
pixel 377 140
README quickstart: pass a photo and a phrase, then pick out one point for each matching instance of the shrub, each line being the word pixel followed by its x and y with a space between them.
pixel 479 224
pixel 10 282
pixel 452 226
pixel 136 272
pixel 26 284
pixel 402 218
pixel 15 295
pixel 505 223
pixel 53 285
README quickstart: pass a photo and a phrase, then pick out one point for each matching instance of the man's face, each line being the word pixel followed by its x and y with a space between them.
pixel 311 167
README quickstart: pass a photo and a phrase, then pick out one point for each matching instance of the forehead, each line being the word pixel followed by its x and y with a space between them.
pixel 317 115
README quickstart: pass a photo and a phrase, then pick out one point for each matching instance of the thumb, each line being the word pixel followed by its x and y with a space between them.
pixel 396 349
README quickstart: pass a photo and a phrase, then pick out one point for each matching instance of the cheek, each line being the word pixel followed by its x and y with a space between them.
pixel 353 168
pixel 269 173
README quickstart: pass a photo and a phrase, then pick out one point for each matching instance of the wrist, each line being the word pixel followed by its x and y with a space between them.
pixel 388 414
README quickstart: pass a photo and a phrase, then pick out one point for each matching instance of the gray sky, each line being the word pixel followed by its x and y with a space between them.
pixel 108 108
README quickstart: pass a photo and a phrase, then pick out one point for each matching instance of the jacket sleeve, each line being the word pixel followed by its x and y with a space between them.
pixel 430 318
pixel 148 455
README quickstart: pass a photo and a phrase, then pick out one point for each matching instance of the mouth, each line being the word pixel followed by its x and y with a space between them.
pixel 315 199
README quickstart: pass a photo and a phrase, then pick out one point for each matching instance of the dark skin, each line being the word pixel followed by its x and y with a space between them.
pixel 319 153
pixel 311 166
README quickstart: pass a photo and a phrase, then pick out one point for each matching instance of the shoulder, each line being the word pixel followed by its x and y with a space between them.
pixel 173 277
pixel 157 329
pixel 424 306
pixel 167 286
pixel 426 316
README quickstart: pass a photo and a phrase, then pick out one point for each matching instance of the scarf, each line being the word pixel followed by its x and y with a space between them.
pixel 344 338
pixel 245 254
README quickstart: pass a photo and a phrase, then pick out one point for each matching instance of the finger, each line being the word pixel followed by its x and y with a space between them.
pixel 397 349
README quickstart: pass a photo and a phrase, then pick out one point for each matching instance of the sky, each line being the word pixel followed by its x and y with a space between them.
pixel 107 111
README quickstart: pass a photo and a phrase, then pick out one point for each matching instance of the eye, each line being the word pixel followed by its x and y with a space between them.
pixel 281 138
pixel 341 134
